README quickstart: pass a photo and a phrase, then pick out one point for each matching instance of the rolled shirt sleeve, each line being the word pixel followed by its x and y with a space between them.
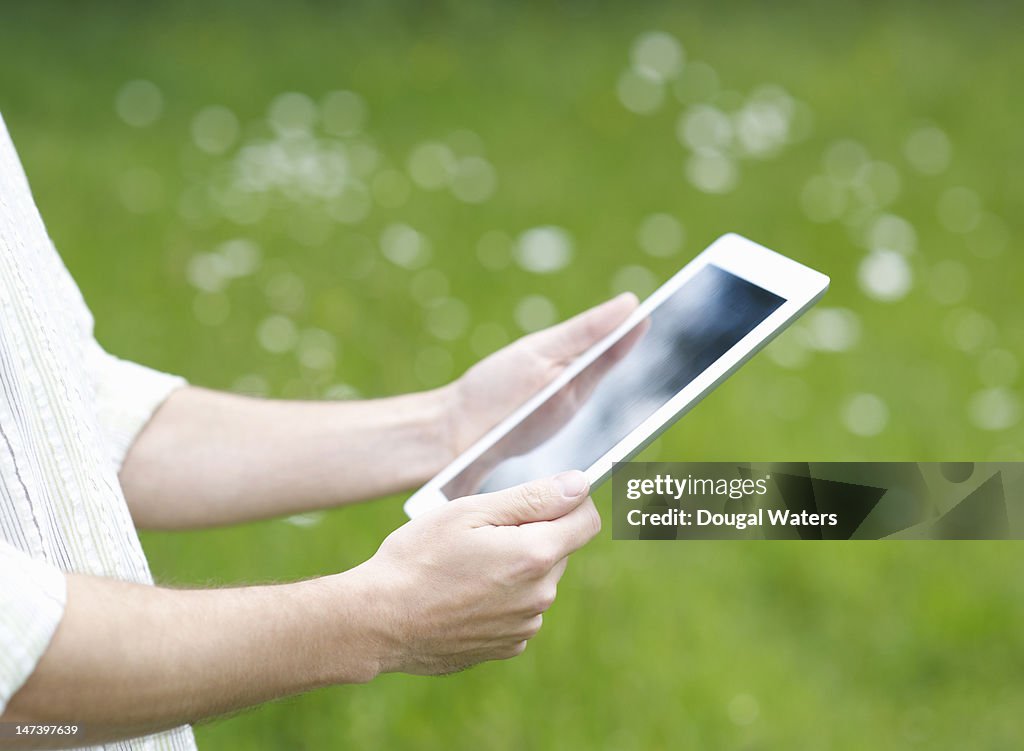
pixel 127 395
pixel 32 597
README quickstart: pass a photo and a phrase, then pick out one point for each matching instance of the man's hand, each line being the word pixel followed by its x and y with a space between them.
pixel 470 582
pixel 208 458
pixel 494 387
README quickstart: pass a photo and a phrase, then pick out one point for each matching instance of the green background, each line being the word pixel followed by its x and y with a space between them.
pixel 671 645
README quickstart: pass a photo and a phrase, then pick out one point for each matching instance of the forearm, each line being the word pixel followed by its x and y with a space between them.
pixel 209 458
pixel 129 659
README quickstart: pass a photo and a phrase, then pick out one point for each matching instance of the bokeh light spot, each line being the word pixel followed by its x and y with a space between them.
pixel 743 710
pixel 291 113
pixel 844 160
pixel 994 409
pixel 364 156
pixel 241 256
pixel 429 285
pixel 317 349
pixel 969 330
pixel 928 150
pixel 352 205
pixel 660 235
pixel 544 250
pixel 789 350
pixel 343 113
pixel 698 82
pixel 640 92
pixel 832 329
pixel 879 182
pixel 208 272
pixel 865 415
pixel 447 318
pixel 534 312
pixel 404 246
pixel 474 180
pixel 823 199
pixel 286 292
pixel 251 384
pixel 712 173
pixel 308 519
pixel 139 103
pixel 885 275
pixel 636 279
pixel 431 165
pixel 705 129
pixel 277 334
pixel 891 232
pixel 214 129
pixel 341 392
pixel 465 142
pixel 762 124
pixel 657 54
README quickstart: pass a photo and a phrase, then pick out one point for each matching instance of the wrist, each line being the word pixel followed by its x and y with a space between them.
pixel 366 616
pixel 391 444
pixel 352 643
pixel 446 403
pixel 434 419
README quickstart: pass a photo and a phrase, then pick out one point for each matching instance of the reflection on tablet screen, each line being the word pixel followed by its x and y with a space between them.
pixel 616 393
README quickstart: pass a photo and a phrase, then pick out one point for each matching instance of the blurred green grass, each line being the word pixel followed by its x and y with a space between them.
pixel 735 645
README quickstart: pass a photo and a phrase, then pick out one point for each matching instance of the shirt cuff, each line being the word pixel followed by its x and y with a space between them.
pixel 127 395
pixel 32 598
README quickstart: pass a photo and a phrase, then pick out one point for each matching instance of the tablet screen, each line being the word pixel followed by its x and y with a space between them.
pixel 615 394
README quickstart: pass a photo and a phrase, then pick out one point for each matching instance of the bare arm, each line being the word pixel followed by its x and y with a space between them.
pixel 208 458
pixel 128 659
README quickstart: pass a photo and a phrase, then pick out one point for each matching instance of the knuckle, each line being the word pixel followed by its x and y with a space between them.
pixel 546 598
pixel 533 626
pixel 541 559
pixel 453 510
pixel 531 497
pixel 545 370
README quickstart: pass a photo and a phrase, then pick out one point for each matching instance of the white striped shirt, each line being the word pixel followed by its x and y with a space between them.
pixel 68 414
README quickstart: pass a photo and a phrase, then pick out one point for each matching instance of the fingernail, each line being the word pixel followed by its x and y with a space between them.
pixel 571 484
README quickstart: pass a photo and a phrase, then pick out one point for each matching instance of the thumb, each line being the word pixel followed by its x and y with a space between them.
pixel 569 339
pixel 537 501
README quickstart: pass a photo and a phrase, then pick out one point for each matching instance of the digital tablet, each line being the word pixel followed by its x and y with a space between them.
pixel 680 343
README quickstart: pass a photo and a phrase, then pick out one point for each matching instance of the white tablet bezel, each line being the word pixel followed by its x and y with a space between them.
pixel 799 285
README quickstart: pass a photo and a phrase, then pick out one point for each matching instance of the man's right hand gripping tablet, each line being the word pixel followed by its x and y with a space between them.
pixel 470 581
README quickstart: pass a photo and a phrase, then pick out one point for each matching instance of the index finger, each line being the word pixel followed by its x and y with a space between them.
pixel 567 340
